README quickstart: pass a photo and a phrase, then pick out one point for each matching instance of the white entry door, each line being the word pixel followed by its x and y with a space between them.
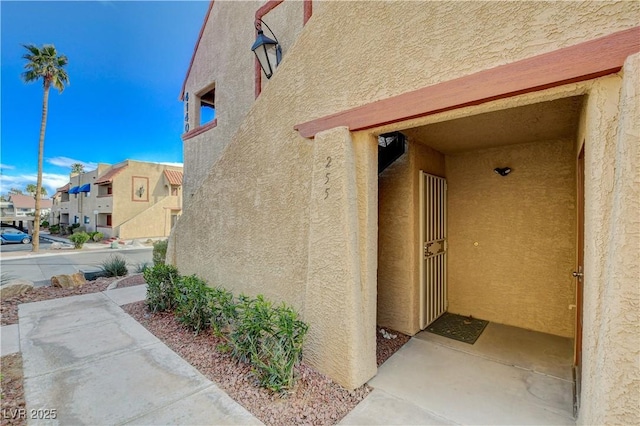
pixel 433 248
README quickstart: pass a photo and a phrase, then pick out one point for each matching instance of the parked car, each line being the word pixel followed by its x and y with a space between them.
pixel 11 235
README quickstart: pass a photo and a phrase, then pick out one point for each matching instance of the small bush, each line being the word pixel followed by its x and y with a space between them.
pixel 79 228
pixel 270 339
pixel 115 266
pixel 96 236
pixel 192 297
pixel 161 281
pixel 160 252
pixel 224 311
pixel 54 229
pixel 141 267
pixel 44 224
pixel 79 239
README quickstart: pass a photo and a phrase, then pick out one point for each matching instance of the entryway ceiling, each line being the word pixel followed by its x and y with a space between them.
pixel 543 121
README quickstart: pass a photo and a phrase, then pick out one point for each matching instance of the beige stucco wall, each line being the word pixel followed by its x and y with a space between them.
pixel 230 65
pixel 247 226
pixel 611 336
pixel 398 236
pixel 131 213
pixel 152 222
pixel 524 224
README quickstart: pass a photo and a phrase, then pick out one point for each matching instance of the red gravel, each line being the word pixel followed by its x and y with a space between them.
pixel 131 280
pixel 387 347
pixel 315 400
pixel 9 306
pixel 12 390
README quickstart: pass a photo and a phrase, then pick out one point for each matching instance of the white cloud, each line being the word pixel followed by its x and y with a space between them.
pixel 167 163
pixel 50 181
pixel 68 162
pixel 6 167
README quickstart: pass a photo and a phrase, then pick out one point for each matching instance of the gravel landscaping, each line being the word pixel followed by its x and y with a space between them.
pixel 315 399
pixel 11 390
pixel 9 305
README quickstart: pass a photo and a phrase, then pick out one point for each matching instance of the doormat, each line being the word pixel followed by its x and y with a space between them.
pixel 458 327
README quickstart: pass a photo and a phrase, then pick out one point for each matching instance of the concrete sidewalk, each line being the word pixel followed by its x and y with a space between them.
pixel 428 383
pixel 84 357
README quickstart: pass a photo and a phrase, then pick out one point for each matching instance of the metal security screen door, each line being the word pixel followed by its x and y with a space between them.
pixel 433 248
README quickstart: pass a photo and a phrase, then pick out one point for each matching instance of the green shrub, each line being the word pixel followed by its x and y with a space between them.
pixel 54 229
pixel 96 236
pixel 78 229
pixel 115 266
pixel 192 297
pixel 224 311
pixel 280 351
pixel 141 267
pixel 44 224
pixel 270 339
pixel 160 252
pixel 79 239
pixel 161 280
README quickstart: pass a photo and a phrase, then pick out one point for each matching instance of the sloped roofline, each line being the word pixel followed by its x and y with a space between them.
pixel 195 49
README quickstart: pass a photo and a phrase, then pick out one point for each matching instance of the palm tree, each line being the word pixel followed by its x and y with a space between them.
pixel 32 189
pixel 77 168
pixel 43 63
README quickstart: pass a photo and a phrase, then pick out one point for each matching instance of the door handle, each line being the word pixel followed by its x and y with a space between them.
pixel 577 274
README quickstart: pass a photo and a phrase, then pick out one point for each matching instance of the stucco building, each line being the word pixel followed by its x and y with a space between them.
pixel 131 199
pixel 20 210
pixel 283 194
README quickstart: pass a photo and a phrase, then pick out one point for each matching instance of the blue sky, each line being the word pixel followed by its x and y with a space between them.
pixel 127 62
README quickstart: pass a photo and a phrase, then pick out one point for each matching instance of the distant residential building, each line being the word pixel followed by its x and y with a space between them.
pixel 20 209
pixel 25 205
pixel 131 199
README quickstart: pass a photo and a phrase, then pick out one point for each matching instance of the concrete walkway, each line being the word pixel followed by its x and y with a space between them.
pixel 428 383
pixel 84 357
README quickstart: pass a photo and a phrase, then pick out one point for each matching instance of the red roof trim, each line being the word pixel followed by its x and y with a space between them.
pixel 174 177
pixel 580 62
pixel 195 49
pixel 109 175
pixel 200 129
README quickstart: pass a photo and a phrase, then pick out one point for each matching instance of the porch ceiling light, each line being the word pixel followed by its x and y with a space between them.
pixel 502 171
pixel 268 51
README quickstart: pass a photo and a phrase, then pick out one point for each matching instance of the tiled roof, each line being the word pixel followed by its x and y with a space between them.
pixel 108 176
pixel 28 202
pixel 64 188
pixel 174 177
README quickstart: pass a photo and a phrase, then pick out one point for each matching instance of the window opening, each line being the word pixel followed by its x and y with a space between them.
pixel 208 106
pixel 391 146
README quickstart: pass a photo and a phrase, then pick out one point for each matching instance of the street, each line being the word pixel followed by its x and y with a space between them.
pixel 40 268
pixel 9 248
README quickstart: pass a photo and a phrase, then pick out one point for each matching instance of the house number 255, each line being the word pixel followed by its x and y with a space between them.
pixel 326 182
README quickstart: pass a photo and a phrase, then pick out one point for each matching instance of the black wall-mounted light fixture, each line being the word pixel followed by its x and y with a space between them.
pixel 268 51
pixel 502 171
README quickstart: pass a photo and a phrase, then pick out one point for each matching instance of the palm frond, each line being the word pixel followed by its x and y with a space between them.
pixel 45 63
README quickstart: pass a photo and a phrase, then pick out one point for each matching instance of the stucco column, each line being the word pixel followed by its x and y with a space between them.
pixel 338 303
pixel 611 345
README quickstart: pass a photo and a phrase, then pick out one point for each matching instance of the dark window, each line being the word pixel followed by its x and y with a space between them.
pixel 391 146
pixel 108 220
